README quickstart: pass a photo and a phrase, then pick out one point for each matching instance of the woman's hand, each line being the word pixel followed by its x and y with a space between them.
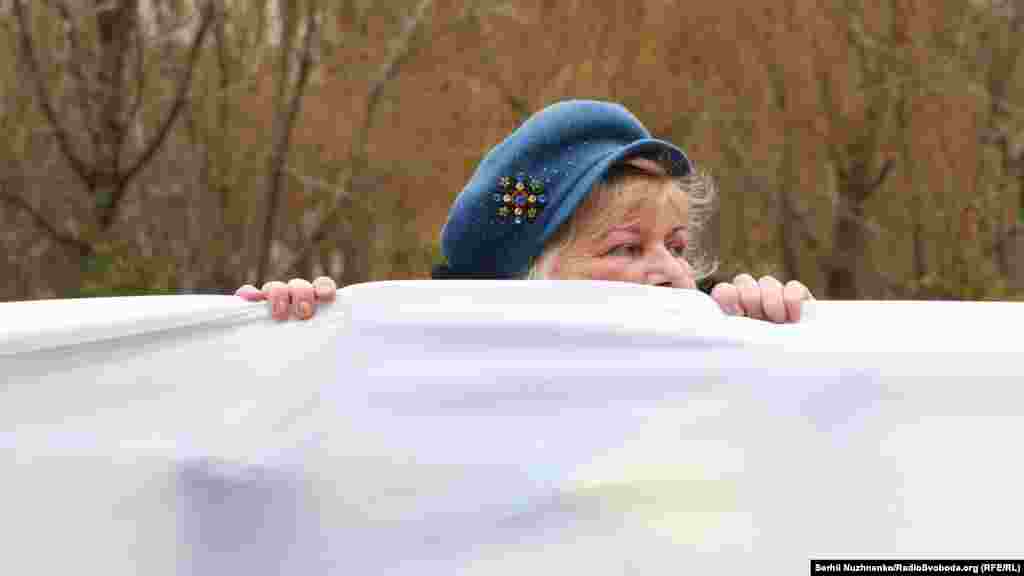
pixel 764 299
pixel 297 297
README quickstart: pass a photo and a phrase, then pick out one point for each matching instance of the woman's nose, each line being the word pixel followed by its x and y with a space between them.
pixel 665 269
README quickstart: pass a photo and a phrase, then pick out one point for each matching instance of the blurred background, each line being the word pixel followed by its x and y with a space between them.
pixel 870 149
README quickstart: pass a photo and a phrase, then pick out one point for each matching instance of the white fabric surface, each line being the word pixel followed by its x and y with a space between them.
pixel 429 427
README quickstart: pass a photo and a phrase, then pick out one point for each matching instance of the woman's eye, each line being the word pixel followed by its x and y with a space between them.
pixel 634 250
pixel 624 250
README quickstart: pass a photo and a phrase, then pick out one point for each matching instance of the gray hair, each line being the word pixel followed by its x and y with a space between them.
pixel 702 203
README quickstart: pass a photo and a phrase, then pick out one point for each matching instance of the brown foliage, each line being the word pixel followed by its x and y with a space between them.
pixel 869 149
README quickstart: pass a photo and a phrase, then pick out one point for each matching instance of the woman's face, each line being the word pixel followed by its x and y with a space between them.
pixel 645 246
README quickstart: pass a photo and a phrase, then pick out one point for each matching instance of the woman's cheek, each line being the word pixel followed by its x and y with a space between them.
pixel 688 276
pixel 609 269
pixel 586 270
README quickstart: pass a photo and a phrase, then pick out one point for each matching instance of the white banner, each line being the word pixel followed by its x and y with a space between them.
pixel 476 427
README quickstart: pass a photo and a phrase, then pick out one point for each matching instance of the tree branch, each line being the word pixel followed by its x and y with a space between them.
pixel 283 131
pixel 116 26
pixel 900 289
pixel 399 55
pixel 16 201
pixel 180 97
pixel 800 218
pixel 80 167
pixel 85 97
pixel 880 179
pixel 999 245
pixel 140 77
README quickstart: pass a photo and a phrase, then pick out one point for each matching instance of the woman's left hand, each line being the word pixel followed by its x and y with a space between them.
pixel 298 297
pixel 764 299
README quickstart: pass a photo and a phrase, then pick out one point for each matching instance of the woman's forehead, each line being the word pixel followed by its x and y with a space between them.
pixel 647 197
pixel 648 215
pixel 646 218
pixel 646 201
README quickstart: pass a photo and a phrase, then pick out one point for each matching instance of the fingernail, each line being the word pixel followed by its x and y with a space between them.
pixel 305 310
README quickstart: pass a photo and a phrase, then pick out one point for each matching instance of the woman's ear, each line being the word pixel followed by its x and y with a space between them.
pixel 549 266
pixel 556 265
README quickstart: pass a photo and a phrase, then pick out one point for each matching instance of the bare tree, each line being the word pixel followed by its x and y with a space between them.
pixel 220 199
pixel 1003 55
pixel 291 84
pixel 853 153
pixel 108 83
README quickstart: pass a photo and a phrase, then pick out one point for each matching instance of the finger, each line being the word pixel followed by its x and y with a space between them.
pixel 280 299
pixel 728 298
pixel 324 288
pixel 302 298
pixel 250 293
pixel 750 296
pixel 771 299
pixel 794 294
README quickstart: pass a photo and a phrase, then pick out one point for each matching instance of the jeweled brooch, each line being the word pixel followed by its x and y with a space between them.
pixel 519 199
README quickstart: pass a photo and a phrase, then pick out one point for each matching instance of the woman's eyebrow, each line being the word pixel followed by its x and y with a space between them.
pixel 633 227
pixel 677 230
pixel 627 227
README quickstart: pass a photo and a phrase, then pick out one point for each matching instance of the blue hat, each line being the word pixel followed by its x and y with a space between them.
pixel 530 183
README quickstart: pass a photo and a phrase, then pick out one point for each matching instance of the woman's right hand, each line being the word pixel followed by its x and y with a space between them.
pixel 298 297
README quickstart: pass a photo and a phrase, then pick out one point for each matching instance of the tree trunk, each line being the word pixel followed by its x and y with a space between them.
pixel 789 236
pixel 849 245
pixel 788 232
pixel 116 23
pixel 920 263
pixel 357 261
pixel 849 240
pixel 1014 258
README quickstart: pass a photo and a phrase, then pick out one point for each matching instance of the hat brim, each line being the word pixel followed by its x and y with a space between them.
pixel 677 163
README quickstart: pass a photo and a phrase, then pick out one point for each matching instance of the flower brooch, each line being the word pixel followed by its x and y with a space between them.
pixel 519 199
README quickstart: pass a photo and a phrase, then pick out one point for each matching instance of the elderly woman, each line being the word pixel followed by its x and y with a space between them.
pixel 579 191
